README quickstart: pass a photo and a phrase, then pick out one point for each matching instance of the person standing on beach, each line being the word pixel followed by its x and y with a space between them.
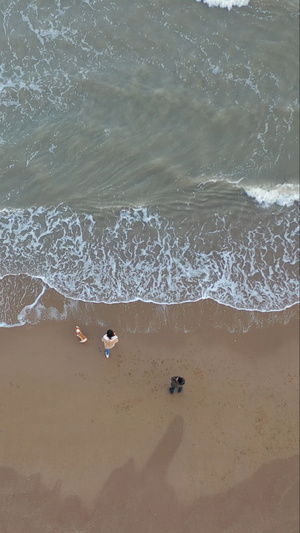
pixel 177 382
pixel 109 340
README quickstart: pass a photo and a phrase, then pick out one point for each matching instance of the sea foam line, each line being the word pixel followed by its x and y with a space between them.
pixel 141 255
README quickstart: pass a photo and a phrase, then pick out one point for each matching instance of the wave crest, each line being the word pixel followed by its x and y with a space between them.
pixel 229 4
pixel 283 194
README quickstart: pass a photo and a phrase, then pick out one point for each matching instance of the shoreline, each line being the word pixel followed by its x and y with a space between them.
pixel 34 304
pixel 82 428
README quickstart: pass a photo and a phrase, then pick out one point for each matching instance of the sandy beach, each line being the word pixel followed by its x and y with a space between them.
pixel 90 444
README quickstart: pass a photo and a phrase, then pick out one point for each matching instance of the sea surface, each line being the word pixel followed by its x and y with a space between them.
pixel 149 151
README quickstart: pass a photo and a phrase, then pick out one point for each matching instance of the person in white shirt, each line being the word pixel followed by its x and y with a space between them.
pixel 109 340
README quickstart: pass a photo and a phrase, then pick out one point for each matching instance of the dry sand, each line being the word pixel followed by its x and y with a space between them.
pixel 90 444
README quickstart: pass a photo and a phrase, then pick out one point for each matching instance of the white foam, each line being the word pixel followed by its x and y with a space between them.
pixel 140 255
pixel 22 302
pixel 284 194
pixel 229 4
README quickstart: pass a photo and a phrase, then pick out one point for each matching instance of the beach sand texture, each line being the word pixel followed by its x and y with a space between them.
pixel 95 445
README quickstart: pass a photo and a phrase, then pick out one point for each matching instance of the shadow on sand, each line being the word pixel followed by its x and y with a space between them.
pixel 143 501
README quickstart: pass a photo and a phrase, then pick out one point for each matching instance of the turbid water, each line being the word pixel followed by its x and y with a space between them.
pixel 149 151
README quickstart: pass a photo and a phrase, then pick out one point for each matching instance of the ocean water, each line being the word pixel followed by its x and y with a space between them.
pixel 149 151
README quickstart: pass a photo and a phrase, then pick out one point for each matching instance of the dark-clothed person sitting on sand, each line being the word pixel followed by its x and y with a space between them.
pixel 177 382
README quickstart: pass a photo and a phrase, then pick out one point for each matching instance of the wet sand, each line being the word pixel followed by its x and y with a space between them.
pixel 92 444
